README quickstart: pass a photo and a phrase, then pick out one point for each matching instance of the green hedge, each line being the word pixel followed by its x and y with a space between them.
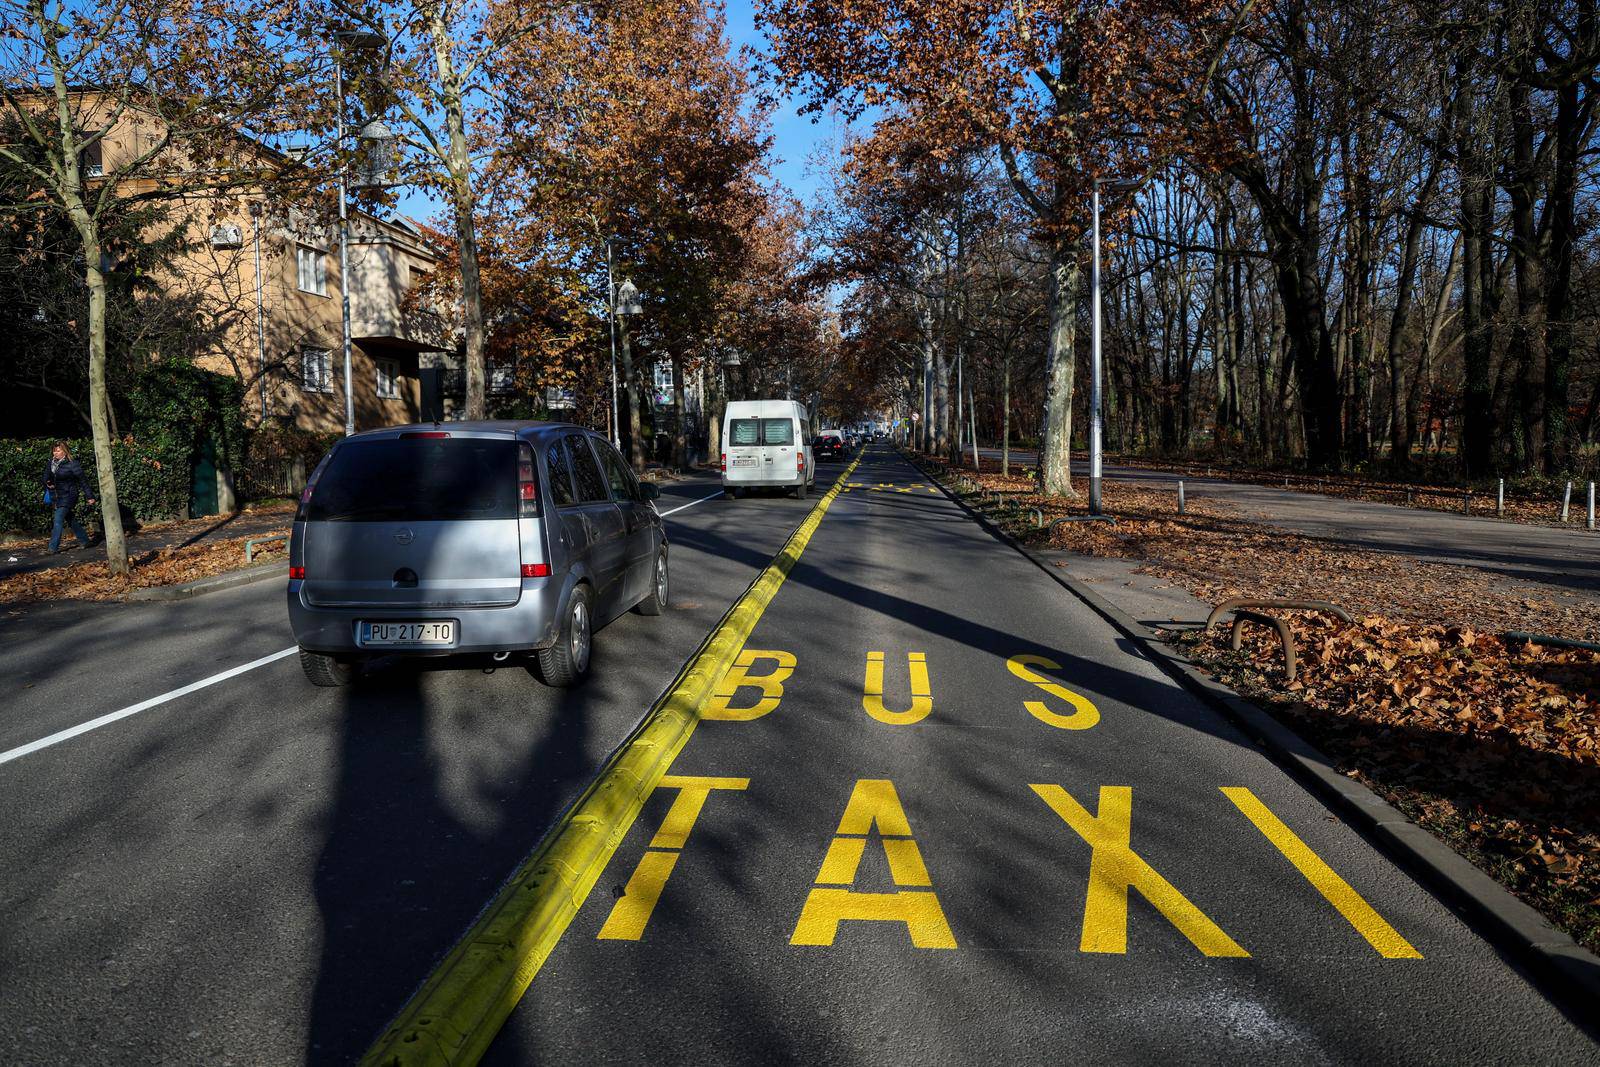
pixel 177 409
pixel 153 481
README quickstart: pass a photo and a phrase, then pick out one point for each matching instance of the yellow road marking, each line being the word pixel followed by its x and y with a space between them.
pixel 873 804
pixel 1114 868
pixel 921 690
pixel 462 1005
pixel 686 806
pixel 1084 715
pixel 737 675
pixel 631 913
pixel 1335 890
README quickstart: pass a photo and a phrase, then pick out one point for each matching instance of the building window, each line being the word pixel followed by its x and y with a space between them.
pixel 91 160
pixel 312 267
pixel 388 379
pixel 316 370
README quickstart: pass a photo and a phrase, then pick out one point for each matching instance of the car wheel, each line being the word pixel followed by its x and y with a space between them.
pixel 730 493
pixel 656 602
pixel 326 671
pixel 567 661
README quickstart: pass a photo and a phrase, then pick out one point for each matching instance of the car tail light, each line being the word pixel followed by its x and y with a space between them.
pixel 536 570
pixel 303 510
pixel 527 483
pixel 426 434
pixel 724 462
pixel 297 574
pixel 800 461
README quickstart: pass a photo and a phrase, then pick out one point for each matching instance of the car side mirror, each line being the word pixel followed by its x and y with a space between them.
pixel 651 490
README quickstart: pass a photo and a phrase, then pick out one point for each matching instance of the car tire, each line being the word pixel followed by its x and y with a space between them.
pixel 326 671
pixel 660 590
pixel 730 493
pixel 800 491
pixel 566 662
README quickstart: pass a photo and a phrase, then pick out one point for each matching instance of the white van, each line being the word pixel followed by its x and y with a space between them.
pixel 766 444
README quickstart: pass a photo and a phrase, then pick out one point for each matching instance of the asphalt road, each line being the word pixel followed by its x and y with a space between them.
pixel 262 872
pixel 794 922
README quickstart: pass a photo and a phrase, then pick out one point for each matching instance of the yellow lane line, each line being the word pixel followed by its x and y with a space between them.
pixel 456 1013
pixel 1338 892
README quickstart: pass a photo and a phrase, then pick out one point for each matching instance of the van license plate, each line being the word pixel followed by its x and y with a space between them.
pixel 744 461
pixel 408 633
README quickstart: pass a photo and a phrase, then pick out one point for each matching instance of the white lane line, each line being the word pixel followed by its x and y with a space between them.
pixel 144 705
pixel 692 503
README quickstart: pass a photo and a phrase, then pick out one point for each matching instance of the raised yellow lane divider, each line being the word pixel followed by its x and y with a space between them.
pixel 454 1016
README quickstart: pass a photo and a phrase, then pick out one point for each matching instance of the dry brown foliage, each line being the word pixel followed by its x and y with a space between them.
pixel 171 566
pixel 1493 746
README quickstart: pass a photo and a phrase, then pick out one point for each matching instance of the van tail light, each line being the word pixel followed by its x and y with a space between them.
pixel 536 570
pixel 799 461
pixel 303 510
pixel 724 462
pixel 297 574
pixel 527 484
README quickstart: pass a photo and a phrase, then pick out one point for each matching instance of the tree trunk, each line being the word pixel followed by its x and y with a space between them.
pixel 1477 193
pixel 1400 424
pixel 680 441
pixel 633 439
pixel 1571 132
pixel 1055 450
pixel 459 164
pixel 100 404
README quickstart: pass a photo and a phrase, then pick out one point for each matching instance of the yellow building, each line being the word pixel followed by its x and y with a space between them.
pixel 265 279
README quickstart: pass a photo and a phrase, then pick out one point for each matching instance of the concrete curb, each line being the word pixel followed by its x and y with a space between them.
pixel 214 584
pixel 1567 973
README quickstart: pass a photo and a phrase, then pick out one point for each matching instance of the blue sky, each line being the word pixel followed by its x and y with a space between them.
pixel 795 138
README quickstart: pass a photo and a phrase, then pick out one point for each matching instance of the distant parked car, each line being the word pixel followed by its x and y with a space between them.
pixel 830 447
pixel 499 537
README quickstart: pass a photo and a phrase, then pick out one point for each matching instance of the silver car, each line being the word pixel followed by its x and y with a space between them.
pixel 497 537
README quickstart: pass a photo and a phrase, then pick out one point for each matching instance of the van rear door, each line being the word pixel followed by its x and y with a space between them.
pixel 420 520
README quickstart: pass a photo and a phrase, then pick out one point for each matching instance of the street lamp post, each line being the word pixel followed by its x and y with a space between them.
pixel 611 323
pixel 342 39
pixel 1095 368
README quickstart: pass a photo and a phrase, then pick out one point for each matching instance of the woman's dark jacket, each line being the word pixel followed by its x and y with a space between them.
pixel 68 479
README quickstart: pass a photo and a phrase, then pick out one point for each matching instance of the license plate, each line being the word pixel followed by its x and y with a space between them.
pixel 409 633
pixel 744 461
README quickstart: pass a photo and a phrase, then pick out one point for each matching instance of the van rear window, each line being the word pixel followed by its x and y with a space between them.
pixel 761 432
pixel 417 481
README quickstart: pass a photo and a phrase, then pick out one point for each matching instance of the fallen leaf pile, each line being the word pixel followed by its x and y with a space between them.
pixel 1493 746
pixel 94 581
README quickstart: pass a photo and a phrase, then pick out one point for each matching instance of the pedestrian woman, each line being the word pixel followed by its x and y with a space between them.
pixel 63 485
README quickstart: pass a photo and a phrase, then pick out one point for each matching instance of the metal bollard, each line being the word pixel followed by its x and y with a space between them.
pixel 1181 500
pixel 1500 500
pixel 1566 502
pixel 1591 505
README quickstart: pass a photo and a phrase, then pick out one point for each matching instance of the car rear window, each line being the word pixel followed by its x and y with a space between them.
pixel 761 431
pixel 744 432
pixel 417 481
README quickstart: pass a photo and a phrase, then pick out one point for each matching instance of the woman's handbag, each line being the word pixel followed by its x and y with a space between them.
pixel 49 498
